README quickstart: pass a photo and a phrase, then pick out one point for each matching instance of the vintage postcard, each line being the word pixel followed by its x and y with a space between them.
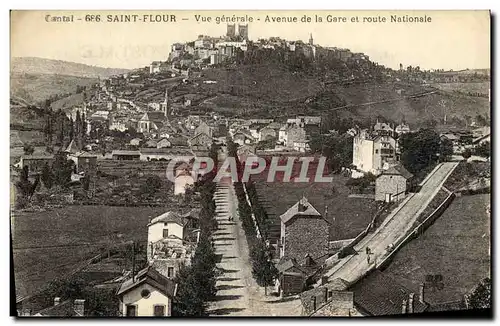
pixel 250 163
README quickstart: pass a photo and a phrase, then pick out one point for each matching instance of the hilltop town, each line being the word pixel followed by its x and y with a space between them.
pixel 98 229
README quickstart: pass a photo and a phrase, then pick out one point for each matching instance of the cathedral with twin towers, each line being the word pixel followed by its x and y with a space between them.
pixel 242 31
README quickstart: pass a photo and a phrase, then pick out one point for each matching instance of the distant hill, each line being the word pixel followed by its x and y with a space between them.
pixel 35 87
pixel 32 65
pixel 268 90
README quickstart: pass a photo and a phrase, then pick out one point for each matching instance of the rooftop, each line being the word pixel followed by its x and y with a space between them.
pixel 398 170
pixel 152 277
pixel 124 152
pixel 302 207
pixel 379 295
pixel 168 217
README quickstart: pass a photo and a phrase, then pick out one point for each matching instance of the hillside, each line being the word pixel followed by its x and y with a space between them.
pixel 268 90
pixel 33 65
pixel 36 87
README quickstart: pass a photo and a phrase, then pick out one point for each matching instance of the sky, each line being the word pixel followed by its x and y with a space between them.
pixel 452 40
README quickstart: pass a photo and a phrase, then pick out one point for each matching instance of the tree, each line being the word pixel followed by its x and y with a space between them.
pixel 336 148
pixel 204 268
pixel 23 186
pixel 47 176
pixel 419 150
pixel 71 129
pixel 28 149
pixel 263 269
pixel 484 150
pixel 86 182
pixel 188 302
pixel 62 168
pixel 445 150
pixel 151 185
pixel 481 297
pixel 467 153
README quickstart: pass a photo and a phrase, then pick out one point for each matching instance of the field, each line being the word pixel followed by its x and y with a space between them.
pixel 79 231
pixel 456 246
pixel 479 87
pixel 348 216
pixel 68 102
pixel 266 82
pixel 39 87
pixel 270 91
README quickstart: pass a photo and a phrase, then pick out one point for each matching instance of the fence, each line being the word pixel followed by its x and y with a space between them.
pixel 118 204
pixel 418 230
pixel 251 209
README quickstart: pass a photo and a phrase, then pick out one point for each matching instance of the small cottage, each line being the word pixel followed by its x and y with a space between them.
pixel 148 293
pixel 393 184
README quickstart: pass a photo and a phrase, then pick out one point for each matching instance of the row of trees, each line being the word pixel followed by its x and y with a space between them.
pixel 337 148
pixel 483 150
pixel 59 174
pixel 422 149
pixel 61 129
pixel 196 282
pixel 263 269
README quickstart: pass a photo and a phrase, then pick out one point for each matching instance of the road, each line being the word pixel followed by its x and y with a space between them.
pixel 394 228
pixel 237 292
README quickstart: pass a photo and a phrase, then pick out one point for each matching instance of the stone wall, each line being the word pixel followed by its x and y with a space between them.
pixel 306 235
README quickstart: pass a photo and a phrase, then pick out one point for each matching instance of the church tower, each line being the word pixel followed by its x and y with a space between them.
pixel 164 105
pixel 311 41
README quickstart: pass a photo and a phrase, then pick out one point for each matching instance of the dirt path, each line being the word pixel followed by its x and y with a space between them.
pixel 238 294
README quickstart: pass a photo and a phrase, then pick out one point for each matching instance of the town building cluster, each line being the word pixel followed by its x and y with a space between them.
pixel 207 51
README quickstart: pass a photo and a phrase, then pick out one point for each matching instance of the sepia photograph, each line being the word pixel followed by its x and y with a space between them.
pixel 250 163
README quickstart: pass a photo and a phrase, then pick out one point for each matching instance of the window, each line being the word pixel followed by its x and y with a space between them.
pixel 145 293
pixel 131 310
pixel 170 272
pixel 159 310
pixel 376 151
pixel 165 233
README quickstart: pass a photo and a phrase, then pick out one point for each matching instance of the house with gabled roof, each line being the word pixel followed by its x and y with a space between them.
pixel 304 234
pixel 170 224
pixel 393 184
pixel 67 308
pixel 201 141
pixel 149 293
pixel 84 161
pixel 163 143
pixel 152 120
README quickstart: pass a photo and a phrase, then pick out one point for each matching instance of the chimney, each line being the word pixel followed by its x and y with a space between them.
pixel 421 297
pixel 313 303
pixel 79 307
pixel 57 300
pixel 404 307
pixel 410 303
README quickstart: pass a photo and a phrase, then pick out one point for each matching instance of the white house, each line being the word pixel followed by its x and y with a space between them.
pixel 166 225
pixel 135 141
pixel 148 293
pixel 282 135
pixel 163 143
pixel 183 180
pixel 373 153
pixel 118 125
